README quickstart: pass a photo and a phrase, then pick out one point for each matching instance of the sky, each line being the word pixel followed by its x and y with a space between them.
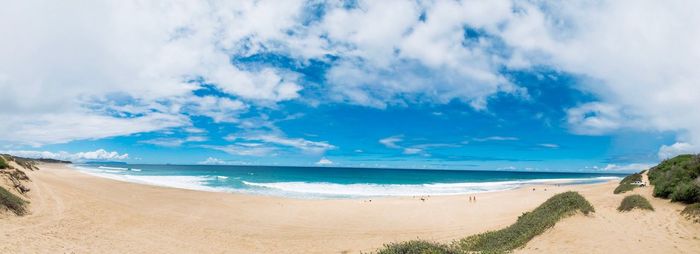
pixel 497 85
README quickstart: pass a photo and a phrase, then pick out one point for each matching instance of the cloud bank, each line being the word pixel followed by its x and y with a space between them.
pixel 136 66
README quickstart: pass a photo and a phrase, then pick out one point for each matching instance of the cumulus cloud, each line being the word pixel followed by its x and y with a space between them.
pixel 212 161
pixel 324 162
pixel 628 167
pixel 56 67
pixel 99 154
pixel 669 151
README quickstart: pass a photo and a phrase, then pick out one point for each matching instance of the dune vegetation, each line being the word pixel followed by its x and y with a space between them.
pixel 3 163
pixel 634 201
pixel 528 225
pixel 12 202
pixel 626 183
pixel 677 179
pixel 692 212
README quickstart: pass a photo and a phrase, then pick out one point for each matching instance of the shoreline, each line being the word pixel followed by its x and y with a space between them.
pixel 76 212
pixel 521 184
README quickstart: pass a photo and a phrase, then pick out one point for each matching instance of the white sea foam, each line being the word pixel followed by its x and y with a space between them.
pixel 182 182
pixel 369 190
pixel 117 168
pixel 324 189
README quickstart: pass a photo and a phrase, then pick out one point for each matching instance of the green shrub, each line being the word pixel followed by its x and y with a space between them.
pixel 625 187
pixel 417 247
pixel 686 192
pixel 676 178
pixel 634 201
pixel 692 212
pixel 528 225
pixel 631 178
pixel 12 202
pixel 3 163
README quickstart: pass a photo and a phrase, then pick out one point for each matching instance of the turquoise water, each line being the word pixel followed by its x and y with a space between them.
pixel 333 182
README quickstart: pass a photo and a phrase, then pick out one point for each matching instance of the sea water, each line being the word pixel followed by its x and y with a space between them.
pixel 334 182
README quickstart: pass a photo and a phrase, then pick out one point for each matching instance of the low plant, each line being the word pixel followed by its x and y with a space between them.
pixel 634 201
pixel 417 247
pixel 3 163
pixel 692 212
pixel 622 188
pixel 12 202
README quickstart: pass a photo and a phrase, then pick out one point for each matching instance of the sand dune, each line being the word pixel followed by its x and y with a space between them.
pixel 76 212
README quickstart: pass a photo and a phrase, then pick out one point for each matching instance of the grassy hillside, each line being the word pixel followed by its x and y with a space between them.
pixel 529 225
pixel 677 179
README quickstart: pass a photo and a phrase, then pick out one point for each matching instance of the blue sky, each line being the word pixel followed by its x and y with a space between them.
pixel 496 85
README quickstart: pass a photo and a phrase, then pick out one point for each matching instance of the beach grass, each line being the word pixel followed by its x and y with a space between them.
pixel 626 183
pixel 622 188
pixel 634 201
pixel 418 247
pixel 692 212
pixel 3 163
pixel 528 225
pixel 12 202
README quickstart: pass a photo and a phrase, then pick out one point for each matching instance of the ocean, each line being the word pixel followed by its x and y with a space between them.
pixel 333 182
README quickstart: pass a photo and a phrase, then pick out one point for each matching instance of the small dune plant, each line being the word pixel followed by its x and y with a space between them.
pixel 418 247
pixel 634 201
pixel 626 183
pixel 12 202
pixel 528 225
pixel 692 212
pixel 3 163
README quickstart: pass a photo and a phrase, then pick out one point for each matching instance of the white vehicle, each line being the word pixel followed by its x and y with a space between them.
pixel 639 183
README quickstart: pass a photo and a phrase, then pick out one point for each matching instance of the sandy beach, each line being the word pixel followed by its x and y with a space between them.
pixel 73 212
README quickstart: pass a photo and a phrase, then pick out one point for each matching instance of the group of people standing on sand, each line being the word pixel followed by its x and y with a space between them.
pixel 472 198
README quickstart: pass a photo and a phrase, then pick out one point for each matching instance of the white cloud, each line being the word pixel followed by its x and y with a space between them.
pixel 390 142
pixel 412 150
pixel 549 145
pixel 667 152
pixel 495 138
pixel 246 149
pixel 298 143
pixel 99 154
pixel 212 161
pixel 628 167
pixel 55 66
pixel 324 162
pixel 174 142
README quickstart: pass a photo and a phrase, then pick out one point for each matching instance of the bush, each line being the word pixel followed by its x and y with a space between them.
pixel 685 192
pixel 417 247
pixel 622 188
pixel 634 201
pixel 692 212
pixel 528 225
pixel 676 178
pixel 12 202
pixel 3 163
pixel 631 178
